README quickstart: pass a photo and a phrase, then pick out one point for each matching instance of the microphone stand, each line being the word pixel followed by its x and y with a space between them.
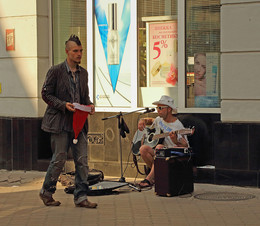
pixel 118 116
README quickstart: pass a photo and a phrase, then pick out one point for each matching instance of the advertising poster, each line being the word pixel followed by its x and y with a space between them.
pixel 206 79
pixel 163 43
pixel 112 53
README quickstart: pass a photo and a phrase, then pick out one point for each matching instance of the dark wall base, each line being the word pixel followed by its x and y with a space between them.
pixel 205 176
pixel 233 148
pixel 228 177
pixel 238 178
pixel 22 144
pixel 236 153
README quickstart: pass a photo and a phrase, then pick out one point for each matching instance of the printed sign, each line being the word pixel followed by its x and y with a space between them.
pixel 10 39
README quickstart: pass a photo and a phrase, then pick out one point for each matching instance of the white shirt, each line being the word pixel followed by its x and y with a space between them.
pixel 166 127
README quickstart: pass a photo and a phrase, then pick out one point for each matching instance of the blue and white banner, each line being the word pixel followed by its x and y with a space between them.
pixel 112 53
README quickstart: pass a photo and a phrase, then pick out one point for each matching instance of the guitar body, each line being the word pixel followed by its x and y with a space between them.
pixel 149 137
pixel 145 137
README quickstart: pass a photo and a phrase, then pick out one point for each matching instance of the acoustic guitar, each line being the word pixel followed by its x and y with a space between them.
pixel 152 137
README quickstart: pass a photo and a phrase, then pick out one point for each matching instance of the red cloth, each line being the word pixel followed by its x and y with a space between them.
pixel 79 118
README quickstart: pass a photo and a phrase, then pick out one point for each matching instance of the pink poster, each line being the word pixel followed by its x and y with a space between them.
pixel 163 44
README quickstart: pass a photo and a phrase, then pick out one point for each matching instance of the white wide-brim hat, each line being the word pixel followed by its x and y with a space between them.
pixel 168 101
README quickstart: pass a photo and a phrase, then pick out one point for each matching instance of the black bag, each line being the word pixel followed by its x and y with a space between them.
pixel 68 179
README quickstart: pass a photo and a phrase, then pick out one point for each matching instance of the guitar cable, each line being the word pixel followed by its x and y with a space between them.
pixel 135 160
pixel 130 154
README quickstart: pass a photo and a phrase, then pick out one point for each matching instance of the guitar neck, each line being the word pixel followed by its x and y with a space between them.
pixel 181 132
pixel 161 135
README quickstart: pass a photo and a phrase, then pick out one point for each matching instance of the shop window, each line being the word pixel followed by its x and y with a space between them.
pixel 202 53
pixel 157 49
pixel 69 17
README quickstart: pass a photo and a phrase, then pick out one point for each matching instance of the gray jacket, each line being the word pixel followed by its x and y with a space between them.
pixel 56 92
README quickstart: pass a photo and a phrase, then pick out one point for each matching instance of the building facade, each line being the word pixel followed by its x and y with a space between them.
pixel 202 53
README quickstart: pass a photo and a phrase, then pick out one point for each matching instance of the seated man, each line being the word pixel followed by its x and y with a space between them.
pixel 167 122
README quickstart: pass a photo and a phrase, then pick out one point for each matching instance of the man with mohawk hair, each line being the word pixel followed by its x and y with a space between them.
pixel 65 84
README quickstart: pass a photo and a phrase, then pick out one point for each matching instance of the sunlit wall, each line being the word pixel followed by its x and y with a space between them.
pixel 23 69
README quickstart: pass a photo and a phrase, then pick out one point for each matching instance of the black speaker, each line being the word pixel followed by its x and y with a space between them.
pixel 173 176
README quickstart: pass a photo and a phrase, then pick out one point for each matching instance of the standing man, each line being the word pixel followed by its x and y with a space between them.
pixel 65 84
pixel 166 122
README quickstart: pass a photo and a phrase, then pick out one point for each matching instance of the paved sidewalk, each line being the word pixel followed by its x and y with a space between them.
pixel 20 205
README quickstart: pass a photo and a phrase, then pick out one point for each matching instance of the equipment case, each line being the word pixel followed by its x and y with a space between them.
pixel 173 175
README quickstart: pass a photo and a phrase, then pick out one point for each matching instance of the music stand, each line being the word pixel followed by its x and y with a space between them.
pixel 119 116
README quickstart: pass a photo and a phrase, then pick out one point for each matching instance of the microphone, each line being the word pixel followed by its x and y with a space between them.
pixel 148 110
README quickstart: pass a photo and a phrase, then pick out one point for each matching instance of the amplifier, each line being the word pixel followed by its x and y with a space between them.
pixel 173 176
pixel 170 152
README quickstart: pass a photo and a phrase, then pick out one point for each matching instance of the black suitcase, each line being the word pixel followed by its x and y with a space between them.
pixel 173 176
